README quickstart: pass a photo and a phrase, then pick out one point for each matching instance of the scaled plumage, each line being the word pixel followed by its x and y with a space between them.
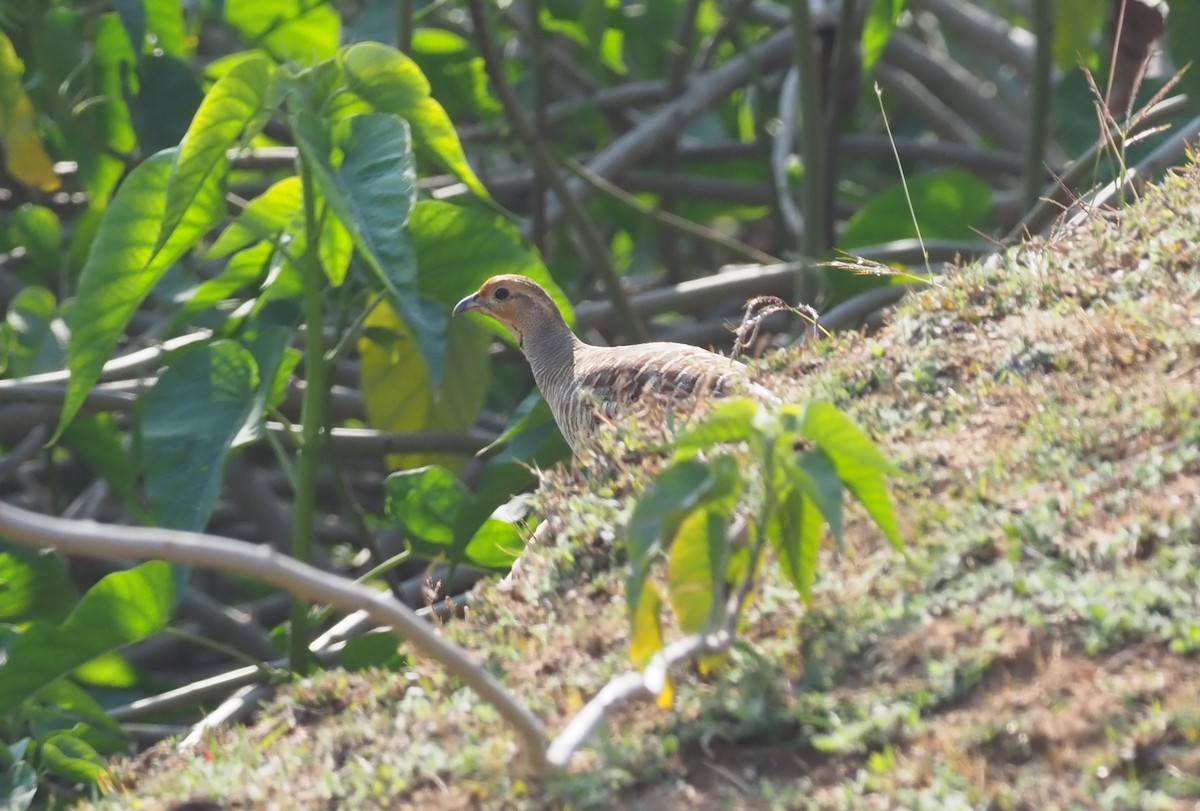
pixel 587 386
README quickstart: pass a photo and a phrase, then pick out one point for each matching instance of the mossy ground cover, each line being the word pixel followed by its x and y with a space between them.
pixel 1039 649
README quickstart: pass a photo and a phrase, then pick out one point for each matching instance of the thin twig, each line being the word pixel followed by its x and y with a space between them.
pixel 25 450
pixel 704 92
pixel 593 241
pixel 670 219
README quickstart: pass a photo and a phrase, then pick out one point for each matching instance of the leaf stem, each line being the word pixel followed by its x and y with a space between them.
pixel 313 411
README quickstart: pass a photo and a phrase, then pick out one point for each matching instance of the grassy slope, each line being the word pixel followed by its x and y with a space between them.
pixel 1040 651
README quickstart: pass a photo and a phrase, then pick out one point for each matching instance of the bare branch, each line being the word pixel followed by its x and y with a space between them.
pixel 225 554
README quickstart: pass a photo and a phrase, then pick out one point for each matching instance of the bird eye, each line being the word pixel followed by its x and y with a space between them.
pixel 501 293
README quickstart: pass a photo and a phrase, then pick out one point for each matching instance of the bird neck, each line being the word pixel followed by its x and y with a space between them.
pixel 550 347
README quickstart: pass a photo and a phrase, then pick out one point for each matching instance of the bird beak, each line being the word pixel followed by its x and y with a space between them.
pixel 471 302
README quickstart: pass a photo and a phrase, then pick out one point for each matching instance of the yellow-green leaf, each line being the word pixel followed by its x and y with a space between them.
pixel 399 392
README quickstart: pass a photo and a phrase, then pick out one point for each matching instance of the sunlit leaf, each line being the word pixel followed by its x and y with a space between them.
pixel 164 20
pixel 845 442
pixel 727 421
pixel 882 16
pixel 676 491
pixel 696 568
pixel 426 501
pixel 290 30
pixel 121 608
pixel 393 83
pixel 244 268
pixel 794 532
pixel 860 464
pixel 872 492
pixel 458 249
pixel 262 218
pixel 70 757
pixel 119 274
pixel 399 393
pixel 495 545
pixel 645 638
pixel 235 106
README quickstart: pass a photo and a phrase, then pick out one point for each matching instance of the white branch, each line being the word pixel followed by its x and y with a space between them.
pixel 263 563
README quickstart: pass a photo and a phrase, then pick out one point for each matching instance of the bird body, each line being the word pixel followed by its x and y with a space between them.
pixel 587 386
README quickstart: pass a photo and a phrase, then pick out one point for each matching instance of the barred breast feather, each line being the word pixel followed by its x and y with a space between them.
pixel 588 387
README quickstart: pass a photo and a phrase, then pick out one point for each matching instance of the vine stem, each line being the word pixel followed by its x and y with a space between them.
pixel 313 414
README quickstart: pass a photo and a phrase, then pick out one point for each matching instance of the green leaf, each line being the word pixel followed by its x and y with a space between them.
pixel 264 217
pixel 70 699
pixel 495 545
pixel 372 193
pixel 123 607
pixel 872 493
pixel 1182 24
pixel 376 189
pixel 393 83
pixel 679 489
pixel 33 334
pixel 645 638
pixel 236 104
pixel 133 17
pixel 99 442
pixel 820 482
pixel 696 568
pixel 164 19
pixel 269 340
pixel 18 783
pixel 794 532
pixel 243 269
pixel 877 30
pixel 378 649
pixel 1076 23
pixel 949 204
pixel 168 96
pixel 531 437
pixel 34 585
pixel 727 421
pixel 426 502
pixel 837 435
pixel 70 757
pixel 119 273
pixel 860 464
pixel 189 421
pixel 458 249
pixel 303 31
pixel 397 389
pixel 39 231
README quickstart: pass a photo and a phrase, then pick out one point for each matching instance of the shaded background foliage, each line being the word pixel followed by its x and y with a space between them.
pixel 700 177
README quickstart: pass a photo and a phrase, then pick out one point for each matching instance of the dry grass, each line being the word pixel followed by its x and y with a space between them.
pixel 1040 651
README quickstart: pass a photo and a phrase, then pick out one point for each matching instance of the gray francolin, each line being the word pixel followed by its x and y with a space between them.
pixel 590 386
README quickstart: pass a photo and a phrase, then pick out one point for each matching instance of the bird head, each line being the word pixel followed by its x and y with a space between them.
pixel 517 302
